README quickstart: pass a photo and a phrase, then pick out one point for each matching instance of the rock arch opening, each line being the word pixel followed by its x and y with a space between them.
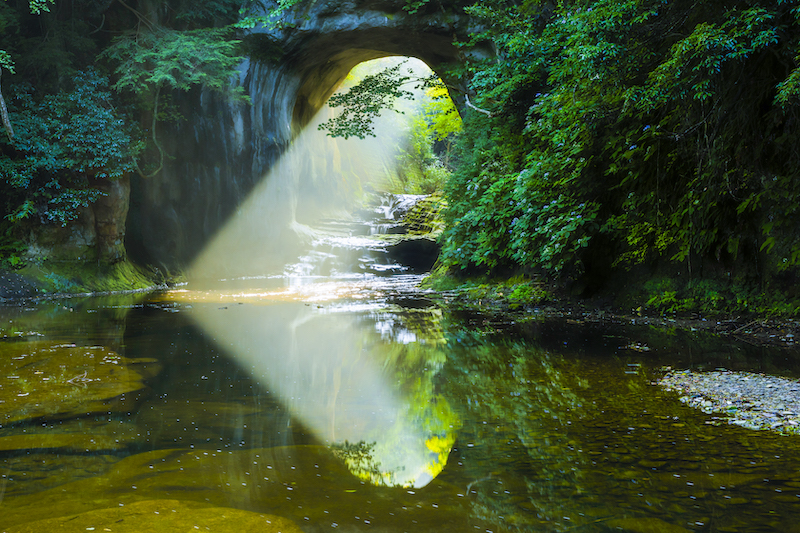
pixel 317 178
pixel 321 77
pixel 224 150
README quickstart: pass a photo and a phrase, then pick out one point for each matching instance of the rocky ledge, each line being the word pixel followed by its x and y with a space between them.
pixel 750 400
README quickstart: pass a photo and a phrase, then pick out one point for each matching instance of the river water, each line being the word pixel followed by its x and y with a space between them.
pixel 355 402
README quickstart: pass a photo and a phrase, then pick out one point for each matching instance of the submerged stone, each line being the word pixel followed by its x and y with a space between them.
pixel 79 436
pixel 306 484
pixel 164 516
pixel 56 381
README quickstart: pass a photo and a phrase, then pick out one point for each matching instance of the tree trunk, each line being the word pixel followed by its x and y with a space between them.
pixel 4 114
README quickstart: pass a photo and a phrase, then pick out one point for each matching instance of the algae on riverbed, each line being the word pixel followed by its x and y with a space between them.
pixel 305 484
pixel 42 379
pixel 164 516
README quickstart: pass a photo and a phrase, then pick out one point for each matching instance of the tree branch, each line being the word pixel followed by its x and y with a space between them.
pixel 138 15
pixel 476 108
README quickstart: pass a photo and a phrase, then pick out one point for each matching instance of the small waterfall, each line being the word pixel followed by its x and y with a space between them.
pixel 360 244
pixel 302 206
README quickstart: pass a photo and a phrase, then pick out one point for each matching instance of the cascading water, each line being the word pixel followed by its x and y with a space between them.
pixel 310 206
pixel 359 245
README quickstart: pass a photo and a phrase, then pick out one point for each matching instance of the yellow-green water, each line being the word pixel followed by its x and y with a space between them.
pixel 363 407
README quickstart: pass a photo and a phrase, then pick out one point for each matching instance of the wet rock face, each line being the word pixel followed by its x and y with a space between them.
pixel 97 233
pixel 74 241
pixel 110 216
pixel 223 150
pixel 337 36
pixel 419 255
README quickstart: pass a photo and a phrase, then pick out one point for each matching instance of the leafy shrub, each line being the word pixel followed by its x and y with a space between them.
pixel 62 141
pixel 640 131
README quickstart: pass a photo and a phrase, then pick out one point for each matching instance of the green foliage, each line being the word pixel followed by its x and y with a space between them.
pixel 277 14
pixel 363 103
pixel 419 170
pixel 37 6
pixel 6 62
pixel 712 297
pixel 665 130
pixel 7 19
pixel 69 130
pixel 151 63
pixel 62 141
pixel 177 60
pixel 11 247
pixel 441 114
pixel 427 122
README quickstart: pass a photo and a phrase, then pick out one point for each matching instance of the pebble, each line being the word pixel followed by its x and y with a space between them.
pixel 747 399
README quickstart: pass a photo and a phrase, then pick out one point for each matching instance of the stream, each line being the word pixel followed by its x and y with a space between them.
pixel 339 396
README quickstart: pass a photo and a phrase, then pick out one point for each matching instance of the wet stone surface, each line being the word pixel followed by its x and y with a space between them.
pixel 14 286
pixel 747 399
pixel 164 516
pixel 47 380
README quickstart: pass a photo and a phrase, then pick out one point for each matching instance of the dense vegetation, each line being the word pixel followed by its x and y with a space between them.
pixel 650 133
pixel 606 138
pixel 603 137
pixel 85 83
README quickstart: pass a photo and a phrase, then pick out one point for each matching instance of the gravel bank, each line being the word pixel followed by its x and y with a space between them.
pixel 753 401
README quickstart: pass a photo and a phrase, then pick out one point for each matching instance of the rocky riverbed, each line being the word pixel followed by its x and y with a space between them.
pixel 747 399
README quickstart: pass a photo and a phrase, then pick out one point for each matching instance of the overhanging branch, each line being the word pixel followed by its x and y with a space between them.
pixel 476 108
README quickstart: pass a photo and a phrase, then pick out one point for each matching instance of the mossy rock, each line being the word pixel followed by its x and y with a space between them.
pixel 77 436
pixel 48 380
pixel 76 277
pixel 305 484
pixel 164 516
pixel 425 216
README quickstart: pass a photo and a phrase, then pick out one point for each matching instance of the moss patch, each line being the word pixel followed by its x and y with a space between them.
pixel 47 380
pixel 67 277
pixel 425 217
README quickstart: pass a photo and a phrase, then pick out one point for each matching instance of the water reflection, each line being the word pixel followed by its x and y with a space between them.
pixel 558 429
pixel 367 396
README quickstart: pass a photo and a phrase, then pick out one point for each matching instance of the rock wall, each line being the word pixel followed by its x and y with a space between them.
pixel 221 151
pixel 98 233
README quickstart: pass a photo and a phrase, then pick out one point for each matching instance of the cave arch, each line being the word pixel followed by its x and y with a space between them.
pixel 224 150
pixel 331 57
